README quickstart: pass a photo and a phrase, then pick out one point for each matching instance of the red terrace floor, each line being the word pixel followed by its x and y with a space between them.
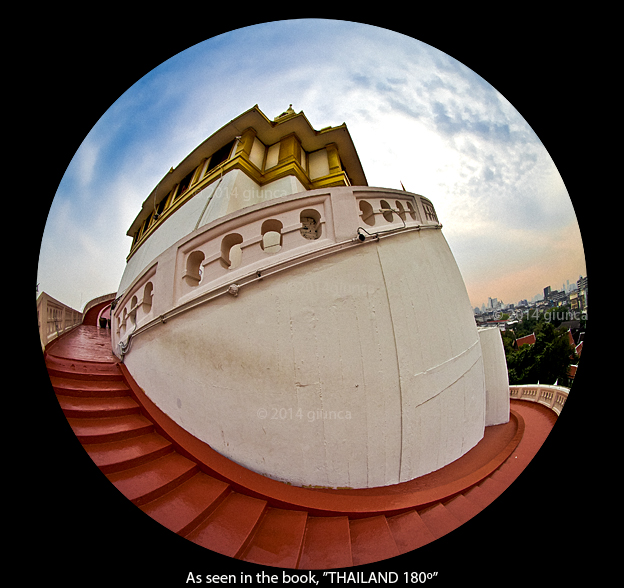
pixel 187 487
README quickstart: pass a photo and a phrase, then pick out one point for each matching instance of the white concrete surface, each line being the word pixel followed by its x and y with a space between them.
pixel 496 377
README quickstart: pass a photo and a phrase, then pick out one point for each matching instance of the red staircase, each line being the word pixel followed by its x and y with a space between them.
pixel 195 492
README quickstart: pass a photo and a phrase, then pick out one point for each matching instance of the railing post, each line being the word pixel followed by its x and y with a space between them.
pixel 552 400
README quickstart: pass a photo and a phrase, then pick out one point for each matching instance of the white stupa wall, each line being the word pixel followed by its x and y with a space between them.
pixel 496 376
pixel 359 369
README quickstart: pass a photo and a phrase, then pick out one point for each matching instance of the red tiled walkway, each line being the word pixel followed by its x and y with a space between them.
pixel 199 494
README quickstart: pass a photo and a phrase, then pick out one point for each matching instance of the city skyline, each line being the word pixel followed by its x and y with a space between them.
pixel 419 118
pixel 567 286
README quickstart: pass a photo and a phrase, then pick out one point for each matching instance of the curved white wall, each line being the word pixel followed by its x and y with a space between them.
pixel 496 376
pixel 362 368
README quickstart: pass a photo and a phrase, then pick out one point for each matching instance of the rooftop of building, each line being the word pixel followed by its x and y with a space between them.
pixel 269 132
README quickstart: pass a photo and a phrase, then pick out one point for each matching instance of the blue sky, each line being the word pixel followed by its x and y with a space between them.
pixel 416 115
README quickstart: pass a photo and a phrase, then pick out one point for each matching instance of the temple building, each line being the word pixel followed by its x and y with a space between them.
pixel 305 325
pixel 290 373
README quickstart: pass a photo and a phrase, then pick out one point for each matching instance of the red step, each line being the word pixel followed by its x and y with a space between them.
pixel 277 539
pixel 371 540
pixel 462 508
pixel 182 508
pixel 506 474
pixel 103 430
pixel 326 544
pixel 227 529
pixel 81 370
pixel 121 455
pixel 439 520
pixel 492 488
pixel 409 531
pixel 150 480
pixel 95 387
pixel 479 497
pixel 96 407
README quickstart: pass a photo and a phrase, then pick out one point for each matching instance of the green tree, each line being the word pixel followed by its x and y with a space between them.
pixel 529 323
pixel 546 361
pixel 557 314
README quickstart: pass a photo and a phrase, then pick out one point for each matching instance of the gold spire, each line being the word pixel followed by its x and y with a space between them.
pixel 287 112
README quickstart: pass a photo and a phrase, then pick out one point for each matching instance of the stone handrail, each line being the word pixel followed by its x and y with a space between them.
pixel 54 318
pixel 554 397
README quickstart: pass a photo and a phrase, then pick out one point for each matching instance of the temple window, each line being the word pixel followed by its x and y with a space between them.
pixel 271 236
pixel 366 212
pixel 386 210
pixel 193 275
pixel 231 252
pixel 401 210
pixel 310 223
pixel 147 297
pixel 220 156
pixel 184 184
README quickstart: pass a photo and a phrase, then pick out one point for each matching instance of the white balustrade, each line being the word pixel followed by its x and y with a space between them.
pixel 554 397
pixel 54 318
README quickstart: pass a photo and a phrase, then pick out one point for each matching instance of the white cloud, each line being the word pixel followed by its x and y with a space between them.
pixel 84 162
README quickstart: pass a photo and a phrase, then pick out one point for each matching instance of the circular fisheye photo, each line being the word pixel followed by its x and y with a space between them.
pixel 311 298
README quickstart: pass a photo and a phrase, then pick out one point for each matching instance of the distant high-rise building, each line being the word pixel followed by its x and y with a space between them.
pixel 581 286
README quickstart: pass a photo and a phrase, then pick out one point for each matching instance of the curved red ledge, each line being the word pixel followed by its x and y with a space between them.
pixel 497 445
